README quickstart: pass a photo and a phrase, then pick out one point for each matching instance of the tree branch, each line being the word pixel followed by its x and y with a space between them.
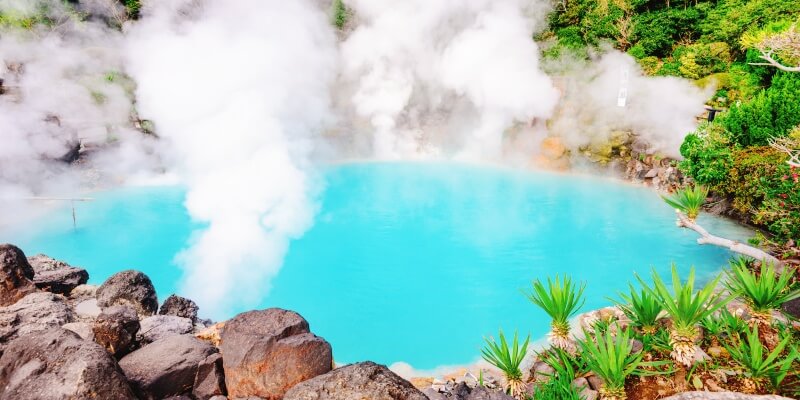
pixel 732 245
pixel 774 63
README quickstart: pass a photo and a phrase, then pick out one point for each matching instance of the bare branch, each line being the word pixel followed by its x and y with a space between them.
pixel 788 147
pixel 774 63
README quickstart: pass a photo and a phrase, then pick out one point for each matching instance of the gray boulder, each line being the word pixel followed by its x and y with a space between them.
pixel 87 310
pixel 180 307
pixel 210 378
pixel 56 276
pixel 56 364
pixel 115 329
pixel 83 329
pixel 365 380
pixel 16 275
pixel 34 313
pixel 267 352
pixel 167 367
pixel 131 288
pixel 160 326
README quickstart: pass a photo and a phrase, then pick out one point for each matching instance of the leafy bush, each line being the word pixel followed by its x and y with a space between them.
pixel 707 155
pixel 772 113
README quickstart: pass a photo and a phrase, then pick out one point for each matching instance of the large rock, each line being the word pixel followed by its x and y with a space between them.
pixel 115 329
pixel 365 380
pixel 16 275
pixel 56 364
pixel 131 288
pixel 210 378
pixel 179 306
pixel 35 312
pixel 267 352
pixel 167 367
pixel 160 326
pixel 56 276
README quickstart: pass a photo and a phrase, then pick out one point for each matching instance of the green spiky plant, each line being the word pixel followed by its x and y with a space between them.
pixel 764 292
pixel 611 358
pixel 686 309
pixel 566 367
pixel 642 308
pixel 722 324
pixel 688 201
pixel 761 365
pixel 560 299
pixel 507 359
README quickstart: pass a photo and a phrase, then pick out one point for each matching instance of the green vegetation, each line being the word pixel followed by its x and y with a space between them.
pixel 764 291
pixel 759 363
pixel 686 309
pixel 688 201
pixel 340 14
pixel 642 308
pixel 507 359
pixel 610 356
pixel 560 299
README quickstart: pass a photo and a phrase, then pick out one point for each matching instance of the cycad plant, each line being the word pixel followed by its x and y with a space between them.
pixel 566 368
pixel 764 292
pixel 507 359
pixel 721 325
pixel 611 358
pixel 560 299
pixel 687 309
pixel 688 201
pixel 761 365
pixel 642 308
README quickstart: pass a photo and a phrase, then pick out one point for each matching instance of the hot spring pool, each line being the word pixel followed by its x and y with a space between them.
pixel 410 262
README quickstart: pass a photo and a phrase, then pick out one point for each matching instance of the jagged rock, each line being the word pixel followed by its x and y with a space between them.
pixel 56 364
pixel 267 352
pixel 131 288
pixel 83 329
pixel 115 329
pixel 166 367
pixel 83 292
pixel 16 275
pixel 365 380
pixel 722 396
pixel 35 312
pixel 160 326
pixel 56 276
pixel 88 310
pixel 179 306
pixel 210 378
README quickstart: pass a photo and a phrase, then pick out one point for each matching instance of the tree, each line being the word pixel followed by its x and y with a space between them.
pixel 783 45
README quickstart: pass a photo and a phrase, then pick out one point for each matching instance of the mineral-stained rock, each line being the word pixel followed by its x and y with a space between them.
pixel 210 378
pixel 721 396
pixel 16 275
pixel 179 306
pixel 56 364
pixel 212 334
pixel 365 380
pixel 167 367
pixel 83 292
pixel 35 312
pixel 267 352
pixel 157 327
pixel 131 288
pixel 56 276
pixel 116 328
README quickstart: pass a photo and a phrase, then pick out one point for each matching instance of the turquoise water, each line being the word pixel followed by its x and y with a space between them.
pixel 410 262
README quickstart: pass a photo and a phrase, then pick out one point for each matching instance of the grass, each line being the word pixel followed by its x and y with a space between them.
pixel 560 299
pixel 688 201
pixel 507 359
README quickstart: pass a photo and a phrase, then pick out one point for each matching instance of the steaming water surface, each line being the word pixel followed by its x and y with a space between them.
pixel 410 262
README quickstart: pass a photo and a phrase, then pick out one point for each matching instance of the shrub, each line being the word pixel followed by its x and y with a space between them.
pixel 610 357
pixel 642 308
pixel 772 113
pixel 760 364
pixel 707 155
pixel 507 359
pixel 688 200
pixel 765 291
pixel 560 299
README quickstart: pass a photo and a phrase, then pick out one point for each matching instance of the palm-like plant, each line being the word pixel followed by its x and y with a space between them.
pixel 688 201
pixel 642 308
pixel 507 359
pixel 760 364
pixel 764 292
pixel 687 309
pixel 560 299
pixel 610 357
pixel 566 368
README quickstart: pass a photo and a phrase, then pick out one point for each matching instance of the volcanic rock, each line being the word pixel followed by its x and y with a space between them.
pixel 167 367
pixel 160 326
pixel 56 364
pixel 210 378
pixel 179 306
pixel 35 312
pixel 56 276
pixel 16 275
pixel 131 288
pixel 115 329
pixel 365 380
pixel 267 352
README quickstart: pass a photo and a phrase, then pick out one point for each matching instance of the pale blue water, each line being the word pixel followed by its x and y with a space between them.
pixel 410 262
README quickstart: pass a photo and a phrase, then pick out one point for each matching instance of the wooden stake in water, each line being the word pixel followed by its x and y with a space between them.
pixel 72 201
pixel 74 220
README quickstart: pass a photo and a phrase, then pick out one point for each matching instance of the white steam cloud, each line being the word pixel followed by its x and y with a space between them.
pixel 433 73
pixel 237 90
